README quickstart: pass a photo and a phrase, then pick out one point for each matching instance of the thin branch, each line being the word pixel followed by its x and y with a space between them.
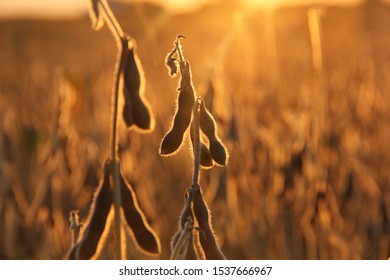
pixel 111 21
pixel 178 47
pixel 117 209
pixel 122 42
pixel 195 127
pixel 75 225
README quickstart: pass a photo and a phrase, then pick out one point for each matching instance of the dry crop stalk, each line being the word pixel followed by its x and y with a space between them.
pixel 191 112
pixel 320 108
pixel 136 114
pixel 320 126
pixel 75 225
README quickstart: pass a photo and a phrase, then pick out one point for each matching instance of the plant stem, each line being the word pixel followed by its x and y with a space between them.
pixel 195 127
pixel 75 225
pixel 122 55
pixel 117 209
pixel 178 48
pixel 321 104
pixel 111 21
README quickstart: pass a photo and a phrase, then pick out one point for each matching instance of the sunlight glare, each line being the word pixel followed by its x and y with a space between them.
pixel 273 4
pixel 266 4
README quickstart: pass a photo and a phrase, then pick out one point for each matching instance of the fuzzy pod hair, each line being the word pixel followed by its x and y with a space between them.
pixel 136 110
pixel 207 237
pixel 173 140
pixel 209 128
pixel 87 246
pixel 142 232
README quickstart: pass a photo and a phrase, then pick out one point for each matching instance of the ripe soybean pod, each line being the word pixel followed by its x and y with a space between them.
pixel 207 125
pixel 136 110
pixel 181 121
pixel 143 234
pixel 206 160
pixel 87 247
pixel 206 234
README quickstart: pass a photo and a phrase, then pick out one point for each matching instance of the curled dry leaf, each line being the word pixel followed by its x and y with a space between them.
pixel 143 234
pixel 136 110
pixel 183 248
pixel 171 62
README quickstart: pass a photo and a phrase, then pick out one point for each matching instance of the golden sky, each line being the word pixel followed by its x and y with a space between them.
pixel 76 8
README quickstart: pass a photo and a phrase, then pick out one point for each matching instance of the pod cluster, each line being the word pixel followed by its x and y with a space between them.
pixel 211 150
pixel 203 244
pixel 136 112
pixel 89 243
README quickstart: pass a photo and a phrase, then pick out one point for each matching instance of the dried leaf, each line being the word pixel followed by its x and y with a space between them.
pixel 171 62
pixel 182 243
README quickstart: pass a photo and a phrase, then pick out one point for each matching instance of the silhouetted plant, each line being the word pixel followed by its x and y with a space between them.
pixel 192 242
pixel 113 188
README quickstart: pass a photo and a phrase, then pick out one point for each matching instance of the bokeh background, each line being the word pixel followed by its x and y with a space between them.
pixel 300 92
